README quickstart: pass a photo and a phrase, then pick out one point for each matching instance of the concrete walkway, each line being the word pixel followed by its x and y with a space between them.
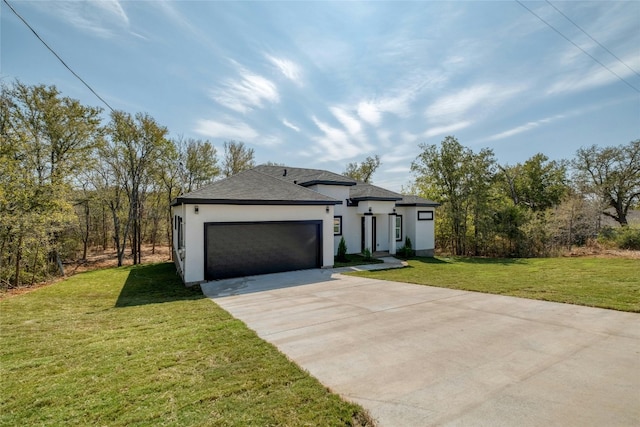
pixel 421 356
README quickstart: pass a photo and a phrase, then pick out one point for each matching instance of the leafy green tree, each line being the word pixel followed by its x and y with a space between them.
pixel 460 180
pixel 46 141
pixel 237 158
pixel 613 175
pixel 364 170
pixel 538 184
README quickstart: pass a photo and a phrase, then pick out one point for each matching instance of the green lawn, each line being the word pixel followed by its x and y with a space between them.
pixel 598 282
pixel 131 346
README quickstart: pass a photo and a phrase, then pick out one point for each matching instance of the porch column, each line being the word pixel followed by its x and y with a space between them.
pixel 368 231
pixel 392 233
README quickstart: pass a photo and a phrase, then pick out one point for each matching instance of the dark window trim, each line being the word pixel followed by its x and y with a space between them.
pixel 339 233
pixel 396 226
pixel 427 217
pixel 180 232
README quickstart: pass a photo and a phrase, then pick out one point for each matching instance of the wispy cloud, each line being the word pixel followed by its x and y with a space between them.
pixel 104 18
pixel 227 129
pixel 335 144
pixel 461 109
pixel 351 124
pixel 589 77
pixel 245 93
pixel 441 130
pixel 288 68
pixel 523 128
pixel 290 125
pixel 369 112
pixel 397 101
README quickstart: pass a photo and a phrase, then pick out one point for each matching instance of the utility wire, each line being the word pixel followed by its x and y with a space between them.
pixel 58 56
pixel 573 43
pixel 588 35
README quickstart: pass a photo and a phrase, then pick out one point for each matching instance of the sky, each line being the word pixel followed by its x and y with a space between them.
pixel 322 84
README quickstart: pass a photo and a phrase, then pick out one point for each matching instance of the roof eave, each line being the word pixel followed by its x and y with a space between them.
pixel 191 201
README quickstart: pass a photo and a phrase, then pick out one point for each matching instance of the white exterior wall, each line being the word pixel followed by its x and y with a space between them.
pixel 178 256
pixel 193 266
pixel 421 233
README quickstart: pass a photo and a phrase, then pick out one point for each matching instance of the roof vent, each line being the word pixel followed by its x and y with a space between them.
pixel 285 173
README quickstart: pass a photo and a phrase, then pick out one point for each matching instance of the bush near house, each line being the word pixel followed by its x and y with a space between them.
pixel 342 251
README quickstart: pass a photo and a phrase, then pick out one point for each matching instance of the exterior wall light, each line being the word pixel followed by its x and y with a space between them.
pixel 369 209
pixel 326 209
pixel 196 209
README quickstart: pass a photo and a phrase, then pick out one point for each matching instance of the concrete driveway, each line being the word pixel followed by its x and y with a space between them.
pixel 420 356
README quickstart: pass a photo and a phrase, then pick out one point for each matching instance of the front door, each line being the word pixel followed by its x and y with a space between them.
pixel 363 230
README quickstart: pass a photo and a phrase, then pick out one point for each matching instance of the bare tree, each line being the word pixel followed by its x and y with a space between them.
pixel 611 174
pixel 237 158
pixel 363 171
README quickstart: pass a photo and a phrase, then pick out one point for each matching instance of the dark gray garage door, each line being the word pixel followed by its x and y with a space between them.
pixel 245 249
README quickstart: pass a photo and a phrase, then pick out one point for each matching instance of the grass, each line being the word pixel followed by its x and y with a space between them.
pixel 355 259
pixel 612 283
pixel 132 346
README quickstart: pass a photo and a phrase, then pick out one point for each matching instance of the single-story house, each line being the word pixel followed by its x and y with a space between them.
pixel 278 218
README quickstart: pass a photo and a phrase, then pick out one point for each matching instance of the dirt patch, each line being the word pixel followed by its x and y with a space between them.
pixel 598 252
pixel 96 259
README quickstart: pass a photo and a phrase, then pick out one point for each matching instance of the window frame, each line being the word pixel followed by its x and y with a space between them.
pixel 395 228
pixel 339 224
pixel 180 229
pixel 427 217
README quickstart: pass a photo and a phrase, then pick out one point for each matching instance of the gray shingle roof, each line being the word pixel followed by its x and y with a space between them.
pixel 252 187
pixel 363 191
pixel 416 201
pixel 305 177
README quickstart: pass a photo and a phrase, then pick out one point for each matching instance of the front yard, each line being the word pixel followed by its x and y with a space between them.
pixel 131 346
pixel 598 282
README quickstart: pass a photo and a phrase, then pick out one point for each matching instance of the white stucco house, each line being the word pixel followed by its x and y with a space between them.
pixel 278 218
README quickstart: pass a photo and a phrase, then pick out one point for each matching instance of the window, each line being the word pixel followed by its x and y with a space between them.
pixel 180 232
pixel 425 215
pixel 398 228
pixel 337 226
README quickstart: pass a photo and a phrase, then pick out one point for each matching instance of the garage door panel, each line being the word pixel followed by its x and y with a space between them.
pixel 244 249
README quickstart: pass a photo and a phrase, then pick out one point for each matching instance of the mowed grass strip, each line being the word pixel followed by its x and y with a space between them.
pixel 612 283
pixel 132 347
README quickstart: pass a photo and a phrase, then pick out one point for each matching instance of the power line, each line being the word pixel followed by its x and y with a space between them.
pixel 573 43
pixel 58 56
pixel 588 35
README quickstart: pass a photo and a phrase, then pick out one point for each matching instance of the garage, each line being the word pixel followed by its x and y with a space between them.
pixel 235 249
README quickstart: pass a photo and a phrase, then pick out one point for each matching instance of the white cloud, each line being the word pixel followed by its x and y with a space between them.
pixel 104 18
pixel 441 130
pixel 398 169
pixel 335 144
pixel 593 76
pixel 290 125
pixel 369 112
pixel 247 92
pixel 351 124
pixel 228 129
pixel 288 68
pixel 469 103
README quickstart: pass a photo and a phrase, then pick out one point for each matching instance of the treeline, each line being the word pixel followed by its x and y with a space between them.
pixel 70 182
pixel 536 208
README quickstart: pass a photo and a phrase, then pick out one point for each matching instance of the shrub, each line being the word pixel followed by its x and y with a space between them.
pixel 367 254
pixel 629 238
pixel 342 250
pixel 406 251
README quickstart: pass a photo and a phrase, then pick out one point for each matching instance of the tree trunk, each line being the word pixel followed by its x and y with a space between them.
pixel 18 259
